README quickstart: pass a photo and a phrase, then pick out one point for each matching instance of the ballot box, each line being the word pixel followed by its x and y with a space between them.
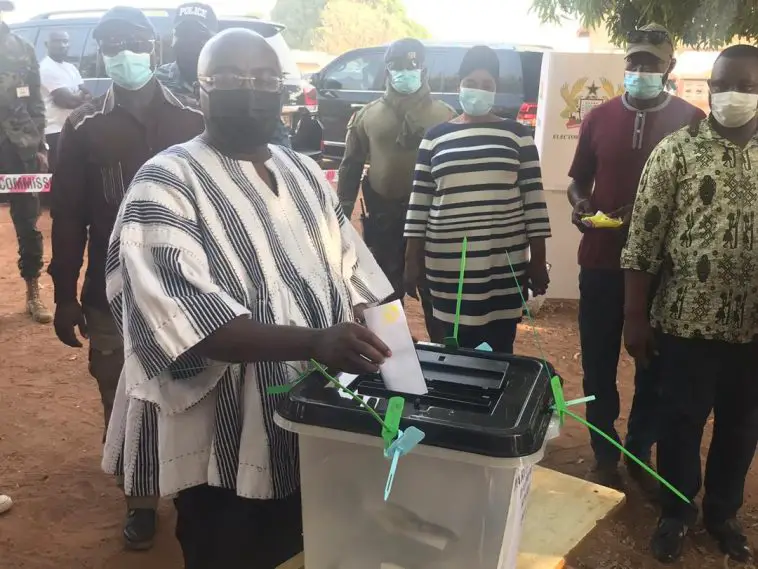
pixel 458 498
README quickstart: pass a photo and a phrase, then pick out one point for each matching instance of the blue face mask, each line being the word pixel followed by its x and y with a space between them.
pixel 643 85
pixel 476 102
pixel 406 81
pixel 129 70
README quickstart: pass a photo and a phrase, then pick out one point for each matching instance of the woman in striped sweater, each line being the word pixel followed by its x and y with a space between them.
pixel 478 176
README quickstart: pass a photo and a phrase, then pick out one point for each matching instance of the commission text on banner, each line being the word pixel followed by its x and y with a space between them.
pixel 24 183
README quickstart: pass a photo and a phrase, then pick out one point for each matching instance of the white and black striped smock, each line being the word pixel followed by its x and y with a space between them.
pixel 200 240
pixel 482 181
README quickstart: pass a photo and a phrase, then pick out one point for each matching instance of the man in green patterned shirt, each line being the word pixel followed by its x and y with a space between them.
pixel 694 223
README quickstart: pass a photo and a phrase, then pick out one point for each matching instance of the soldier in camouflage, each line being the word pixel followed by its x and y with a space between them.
pixel 194 25
pixel 23 151
pixel 387 133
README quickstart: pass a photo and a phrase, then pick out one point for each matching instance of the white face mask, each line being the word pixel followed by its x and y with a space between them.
pixel 732 109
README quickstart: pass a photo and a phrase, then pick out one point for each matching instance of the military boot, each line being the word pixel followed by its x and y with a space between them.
pixel 34 305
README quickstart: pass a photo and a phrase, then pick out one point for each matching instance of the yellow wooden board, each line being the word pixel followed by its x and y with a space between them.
pixel 561 512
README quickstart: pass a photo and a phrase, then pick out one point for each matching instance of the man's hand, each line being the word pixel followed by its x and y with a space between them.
pixel 68 317
pixel 351 348
pixel 639 340
pixel 582 208
pixel 538 276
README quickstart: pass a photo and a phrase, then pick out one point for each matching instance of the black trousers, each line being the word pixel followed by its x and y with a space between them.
pixel 601 326
pixel 500 335
pixel 699 376
pixel 219 530
pixel 25 210
pixel 383 233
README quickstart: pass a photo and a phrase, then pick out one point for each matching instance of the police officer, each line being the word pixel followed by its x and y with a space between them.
pixel 390 130
pixel 194 24
pixel 23 151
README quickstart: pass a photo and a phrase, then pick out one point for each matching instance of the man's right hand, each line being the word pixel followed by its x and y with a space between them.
pixel 68 317
pixel 639 340
pixel 582 208
pixel 350 347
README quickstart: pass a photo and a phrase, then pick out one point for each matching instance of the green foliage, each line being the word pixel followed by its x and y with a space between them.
pixel 700 24
pixel 335 26
pixel 302 18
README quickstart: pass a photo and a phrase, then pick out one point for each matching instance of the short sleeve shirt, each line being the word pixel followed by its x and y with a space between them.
pixel 615 141
pixel 57 75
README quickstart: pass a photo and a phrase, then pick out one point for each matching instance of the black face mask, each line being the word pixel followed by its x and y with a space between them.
pixel 244 119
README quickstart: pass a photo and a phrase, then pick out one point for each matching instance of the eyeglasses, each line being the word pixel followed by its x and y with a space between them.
pixel 231 82
pixel 652 37
pixel 110 48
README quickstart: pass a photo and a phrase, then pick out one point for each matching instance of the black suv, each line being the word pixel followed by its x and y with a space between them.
pixel 83 53
pixel 358 77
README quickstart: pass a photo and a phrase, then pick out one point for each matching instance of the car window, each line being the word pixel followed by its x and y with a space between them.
pixel 363 71
pixel 26 34
pixel 92 64
pixel 511 72
pixel 77 39
pixel 443 66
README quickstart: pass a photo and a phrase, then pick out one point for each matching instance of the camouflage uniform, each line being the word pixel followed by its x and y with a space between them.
pixel 376 134
pixel 171 77
pixel 22 136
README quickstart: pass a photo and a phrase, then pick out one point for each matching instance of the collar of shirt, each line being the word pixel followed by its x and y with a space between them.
pixel 170 73
pixel 663 104
pixel 707 132
pixel 162 95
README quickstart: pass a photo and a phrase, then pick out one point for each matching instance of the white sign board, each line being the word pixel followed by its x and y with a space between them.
pixel 571 85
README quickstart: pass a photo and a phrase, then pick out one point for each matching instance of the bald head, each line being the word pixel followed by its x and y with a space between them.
pixel 238 51
pixel 57 45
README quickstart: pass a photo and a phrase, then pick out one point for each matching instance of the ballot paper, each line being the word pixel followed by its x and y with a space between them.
pixel 401 372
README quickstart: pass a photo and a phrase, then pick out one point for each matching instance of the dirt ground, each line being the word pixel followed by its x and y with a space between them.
pixel 68 514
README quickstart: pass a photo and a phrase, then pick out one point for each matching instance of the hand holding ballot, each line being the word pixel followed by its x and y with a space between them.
pixel 601 220
pixel 401 371
pixel 351 348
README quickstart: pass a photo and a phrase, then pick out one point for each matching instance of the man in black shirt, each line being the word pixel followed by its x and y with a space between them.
pixel 102 146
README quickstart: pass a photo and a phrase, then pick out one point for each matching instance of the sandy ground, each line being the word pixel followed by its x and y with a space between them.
pixel 68 514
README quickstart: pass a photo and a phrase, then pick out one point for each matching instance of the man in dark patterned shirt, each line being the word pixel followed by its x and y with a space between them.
pixel 194 25
pixel 694 224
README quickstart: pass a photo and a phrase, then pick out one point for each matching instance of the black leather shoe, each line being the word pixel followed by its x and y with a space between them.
pixel 731 540
pixel 139 529
pixel 668 540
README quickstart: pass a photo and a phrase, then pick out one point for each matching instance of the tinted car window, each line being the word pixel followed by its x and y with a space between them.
pixel 511 74
pixel 77 39
pixel 92 64
pixel 443 66
pixel 27 34
pixel 443 69
pixel 362 71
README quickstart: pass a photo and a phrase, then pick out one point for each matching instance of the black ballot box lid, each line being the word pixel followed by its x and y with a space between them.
pixel 484 403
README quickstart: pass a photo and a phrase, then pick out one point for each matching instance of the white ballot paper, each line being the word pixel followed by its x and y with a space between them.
pixel 402 371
